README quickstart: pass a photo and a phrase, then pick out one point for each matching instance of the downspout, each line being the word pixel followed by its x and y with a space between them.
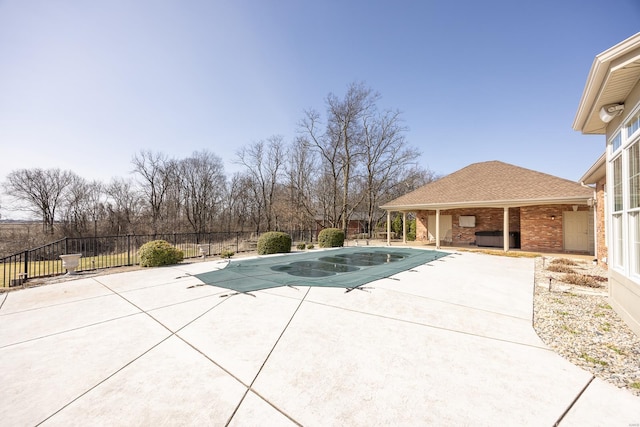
pixel 595 219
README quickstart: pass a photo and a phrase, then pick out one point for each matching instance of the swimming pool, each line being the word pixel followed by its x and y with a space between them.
pixel 342 268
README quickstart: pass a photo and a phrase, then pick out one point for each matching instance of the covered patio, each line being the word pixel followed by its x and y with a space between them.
pixel 537 211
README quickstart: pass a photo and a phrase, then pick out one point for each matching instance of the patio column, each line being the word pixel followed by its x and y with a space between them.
pixel 437 228
pixel 404 228
pixel 388 228
pixel 505 232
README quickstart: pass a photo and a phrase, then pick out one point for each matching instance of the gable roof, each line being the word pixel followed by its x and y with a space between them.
pixel 492 184
pixel 613 75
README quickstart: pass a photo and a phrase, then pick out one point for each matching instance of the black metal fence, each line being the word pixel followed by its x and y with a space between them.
pixel 118 251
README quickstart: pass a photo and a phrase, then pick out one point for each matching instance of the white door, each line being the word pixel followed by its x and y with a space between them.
pixel 575 227
pixel 446 222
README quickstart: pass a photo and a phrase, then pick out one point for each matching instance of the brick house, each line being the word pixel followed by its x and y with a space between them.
pixel 484 202
pixel 610 106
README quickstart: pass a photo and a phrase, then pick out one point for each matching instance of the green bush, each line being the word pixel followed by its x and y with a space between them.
pixel 274 242
pixel 301 246
pixel 331 238
pixel 227 254
pixel 310 246
pixel 159 252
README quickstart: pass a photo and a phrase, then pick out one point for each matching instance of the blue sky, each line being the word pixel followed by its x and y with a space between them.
pixel 84 85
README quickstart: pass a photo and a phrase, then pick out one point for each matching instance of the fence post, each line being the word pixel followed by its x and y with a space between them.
pixel 65 245
pixel 26 264
pixel 128 249
pixel 237 242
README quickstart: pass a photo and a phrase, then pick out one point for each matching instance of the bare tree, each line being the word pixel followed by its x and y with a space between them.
pixel 299 206
pixel 122 205
pixel 155 180
pixel 39 191
pixel 203 183
pixel 341 146
pixel 264 161
pixel 386 160
pixel 237 203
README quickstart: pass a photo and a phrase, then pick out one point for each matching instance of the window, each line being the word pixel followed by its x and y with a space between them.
pixel 634 175
pixel 633 126
pixel 623 176
pixel 617 184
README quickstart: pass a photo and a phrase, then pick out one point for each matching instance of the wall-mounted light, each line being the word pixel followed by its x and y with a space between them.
pixel 553 217
pixel 608 112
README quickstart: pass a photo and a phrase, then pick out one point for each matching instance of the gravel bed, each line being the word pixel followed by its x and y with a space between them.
pixel 579 324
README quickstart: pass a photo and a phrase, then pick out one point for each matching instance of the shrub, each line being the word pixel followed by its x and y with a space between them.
pixel 159 252
pixel 301 246
pixel 310 246
pixel 560 268
pixel 227 254
pixel 563 261
pixel 331 238
pixel 581 280
pixel 274 242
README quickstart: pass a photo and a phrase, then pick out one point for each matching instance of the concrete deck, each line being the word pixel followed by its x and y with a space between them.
pixel 450 343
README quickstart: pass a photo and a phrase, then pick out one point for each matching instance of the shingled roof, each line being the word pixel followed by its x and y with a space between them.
pixel 492 184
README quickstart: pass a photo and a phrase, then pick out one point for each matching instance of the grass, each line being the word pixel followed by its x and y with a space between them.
pixel 54 267
pixel 606 326
pixel 616 349
pixel 635 385
pixel 593 360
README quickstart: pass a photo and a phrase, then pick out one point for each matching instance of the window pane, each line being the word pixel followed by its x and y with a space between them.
pixel 616 142
pixel 617 240
pixel 633 126
pixel 617 184
pixel 634 176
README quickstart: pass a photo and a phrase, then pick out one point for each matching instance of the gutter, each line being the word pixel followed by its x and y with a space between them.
pixel 490 203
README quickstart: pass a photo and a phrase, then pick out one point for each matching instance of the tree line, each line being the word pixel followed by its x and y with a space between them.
pixel 339 166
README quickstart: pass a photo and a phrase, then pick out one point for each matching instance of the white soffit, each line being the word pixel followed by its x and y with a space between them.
pixel 613 75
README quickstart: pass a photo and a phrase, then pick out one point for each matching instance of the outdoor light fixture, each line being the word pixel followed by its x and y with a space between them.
pixel 553 217
pixel 608 112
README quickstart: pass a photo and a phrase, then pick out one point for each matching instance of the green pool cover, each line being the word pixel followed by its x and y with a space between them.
pixel 339 268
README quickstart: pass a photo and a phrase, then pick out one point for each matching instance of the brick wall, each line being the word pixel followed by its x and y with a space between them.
pixel 540 231
pixel 487 219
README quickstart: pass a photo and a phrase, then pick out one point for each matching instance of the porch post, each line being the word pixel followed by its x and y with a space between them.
pixel 388 228
pixel 404 228
pixel 437 228
pixel 505 232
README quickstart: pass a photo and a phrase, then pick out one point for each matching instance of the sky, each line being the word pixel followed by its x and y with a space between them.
pixel 85 85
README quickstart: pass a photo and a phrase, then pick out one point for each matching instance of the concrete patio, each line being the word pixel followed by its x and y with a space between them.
pixel 448 343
